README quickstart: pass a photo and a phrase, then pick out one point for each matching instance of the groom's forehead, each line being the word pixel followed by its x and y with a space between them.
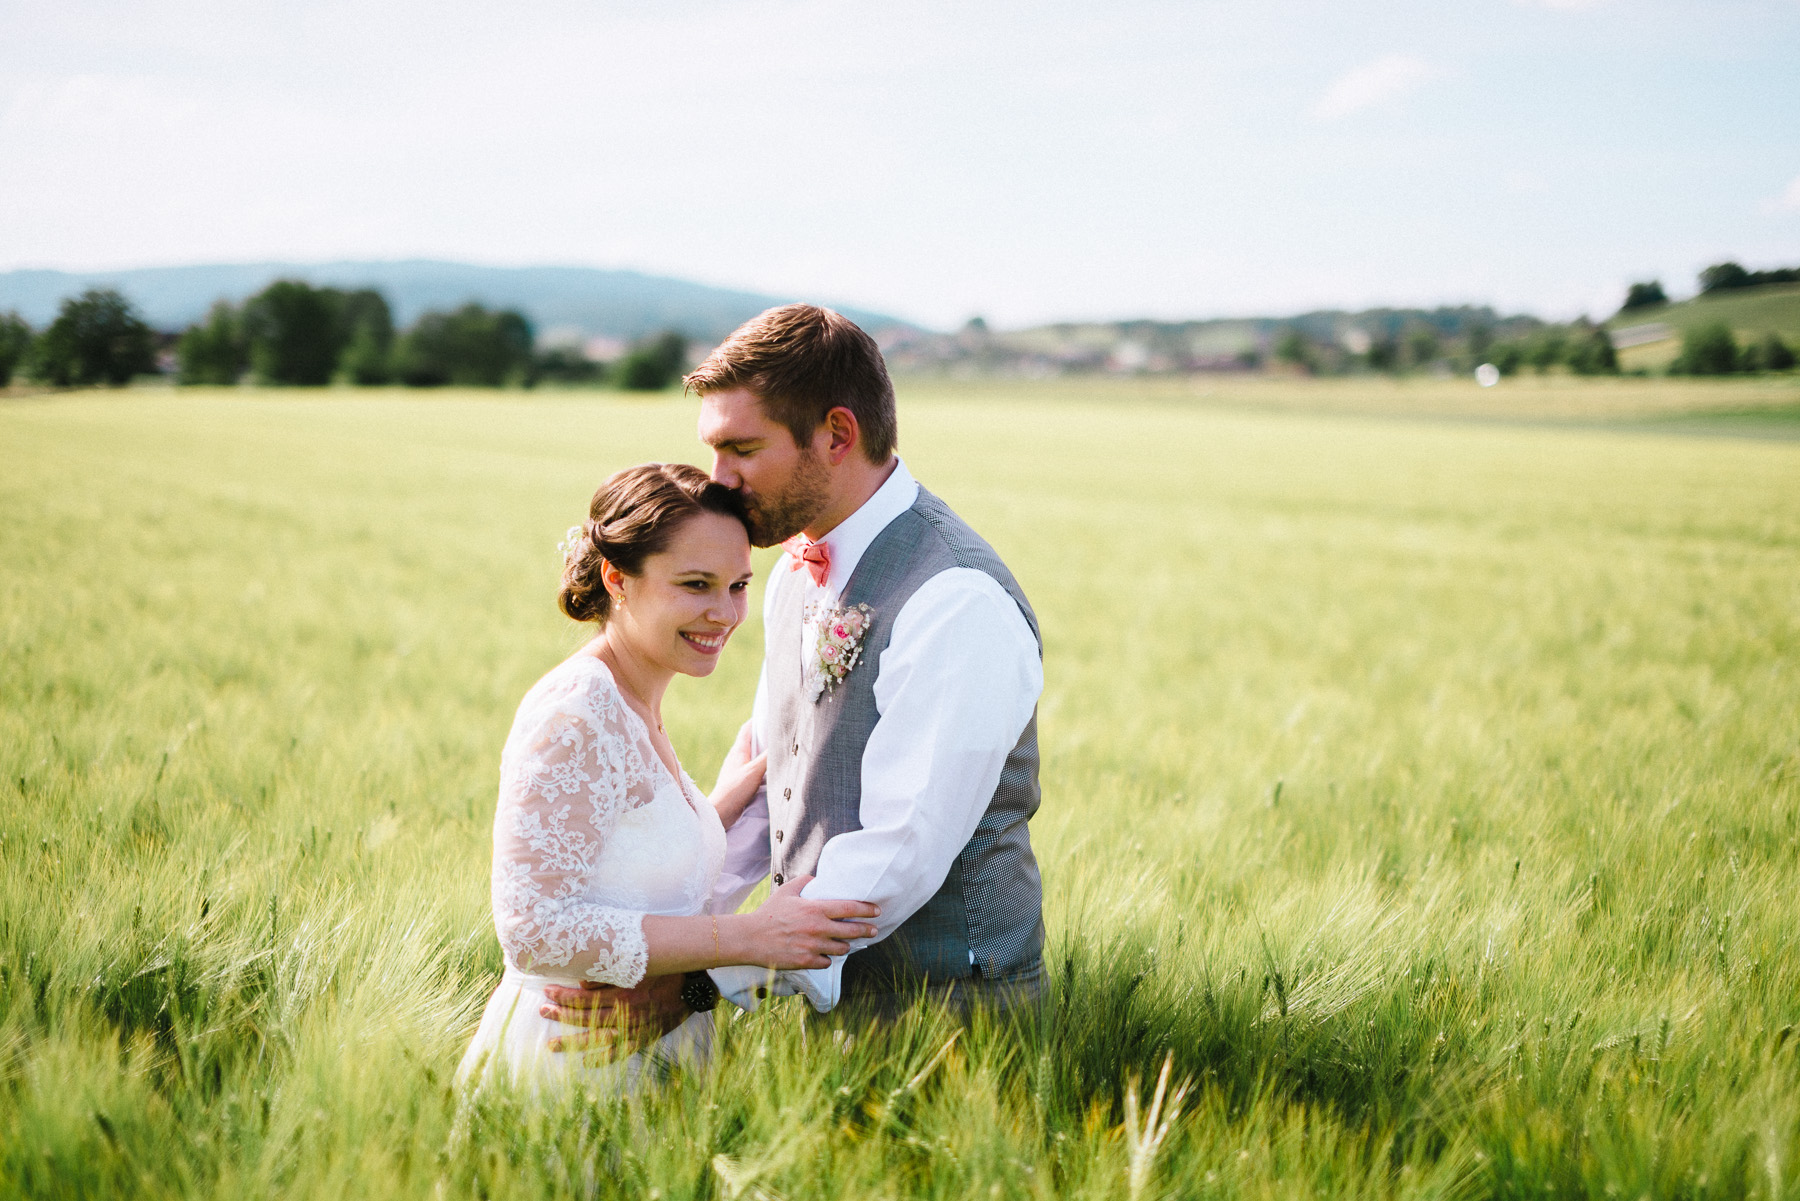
pixel 734 415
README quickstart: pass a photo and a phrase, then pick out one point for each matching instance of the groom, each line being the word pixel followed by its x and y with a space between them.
pixel 897 705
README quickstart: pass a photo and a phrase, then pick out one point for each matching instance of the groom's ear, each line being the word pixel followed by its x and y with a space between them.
pixel 842 434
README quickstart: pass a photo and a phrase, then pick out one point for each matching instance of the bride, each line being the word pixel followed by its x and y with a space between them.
pixel 605 853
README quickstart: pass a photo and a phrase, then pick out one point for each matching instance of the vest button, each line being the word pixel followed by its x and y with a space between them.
pixel 778 836
pixel 787 794
pixel 796 748
pixel 780 879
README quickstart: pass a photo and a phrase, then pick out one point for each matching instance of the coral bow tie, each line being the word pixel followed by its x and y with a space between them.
pixel 814 556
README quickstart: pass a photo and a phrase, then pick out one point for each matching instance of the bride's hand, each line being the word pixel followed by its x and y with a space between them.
pixel 790 931
pixel 739 779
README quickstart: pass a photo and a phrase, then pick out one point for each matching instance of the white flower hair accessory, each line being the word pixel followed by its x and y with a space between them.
pixel 837 645
pixel 570 546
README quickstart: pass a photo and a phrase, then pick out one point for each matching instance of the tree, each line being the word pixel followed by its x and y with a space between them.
pixel 293 333
pixel 368 359
pixel 1706 350
pixel 366 333
pixel 1481 339
pixel 470 347
pixel 1721 277
pixel 1776 354
pixel 1422 345
pixel 1508 357
pixel 423 357
pixel 1546 349
pixel 15 344
pixel 1770 354
pixel 1384 354
pixel 654 363
pixel 1592 353
pixel 214 352
pixel 567 365
pixel 1644 296
pixel 1292 348
pixel 97 338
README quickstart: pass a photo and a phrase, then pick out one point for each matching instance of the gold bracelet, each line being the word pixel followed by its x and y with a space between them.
pixel 715 918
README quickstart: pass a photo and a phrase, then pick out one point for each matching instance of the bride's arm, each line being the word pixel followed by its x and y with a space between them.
pixel 785 931
pixel 787 928
pixel 560 804
pixel 561 797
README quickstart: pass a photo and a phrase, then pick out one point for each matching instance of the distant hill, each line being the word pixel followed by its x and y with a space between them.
pixel 1773 308
pixel 1651 337
pixel 612 304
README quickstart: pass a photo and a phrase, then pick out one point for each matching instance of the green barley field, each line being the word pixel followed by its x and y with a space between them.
pixel 1424 794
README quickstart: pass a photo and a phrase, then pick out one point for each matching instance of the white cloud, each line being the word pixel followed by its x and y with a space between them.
pixel 1567 6
pixel 1386 79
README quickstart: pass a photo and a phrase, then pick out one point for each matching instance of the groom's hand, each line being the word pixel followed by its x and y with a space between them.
pixel 645 1013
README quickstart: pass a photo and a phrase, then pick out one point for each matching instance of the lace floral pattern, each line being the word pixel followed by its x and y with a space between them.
pixel 592 832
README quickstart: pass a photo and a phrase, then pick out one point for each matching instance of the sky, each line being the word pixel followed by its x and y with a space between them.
pixel 1027 162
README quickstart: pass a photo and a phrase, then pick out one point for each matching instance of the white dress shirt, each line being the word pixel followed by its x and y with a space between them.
pixel 954 689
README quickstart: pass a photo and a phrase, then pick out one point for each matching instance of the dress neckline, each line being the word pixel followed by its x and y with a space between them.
pixel 676 775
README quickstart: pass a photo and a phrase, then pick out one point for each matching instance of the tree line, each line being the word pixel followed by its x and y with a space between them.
pixel 292 333
pixel 1720 277
pixel 1714 350
pixel 1580 347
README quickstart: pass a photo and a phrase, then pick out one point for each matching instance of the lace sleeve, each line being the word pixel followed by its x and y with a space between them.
pixel 566 779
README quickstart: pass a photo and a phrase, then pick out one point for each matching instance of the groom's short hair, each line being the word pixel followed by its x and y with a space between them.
pixel 802 361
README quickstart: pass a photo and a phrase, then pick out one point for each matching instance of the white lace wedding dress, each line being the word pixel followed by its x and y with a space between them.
pixel 592 833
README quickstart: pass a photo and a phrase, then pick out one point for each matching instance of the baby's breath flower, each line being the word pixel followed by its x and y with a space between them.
pixel 570 546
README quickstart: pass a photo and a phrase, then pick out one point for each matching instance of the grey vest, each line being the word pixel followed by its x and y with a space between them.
pixel 991 903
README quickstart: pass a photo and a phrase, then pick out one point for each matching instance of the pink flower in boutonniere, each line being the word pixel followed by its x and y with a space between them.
pixel 837 645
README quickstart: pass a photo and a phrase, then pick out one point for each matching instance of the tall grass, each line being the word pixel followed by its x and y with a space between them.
pixel 1426 798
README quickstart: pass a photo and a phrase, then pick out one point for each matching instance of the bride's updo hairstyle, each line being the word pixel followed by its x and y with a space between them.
pixel 634 515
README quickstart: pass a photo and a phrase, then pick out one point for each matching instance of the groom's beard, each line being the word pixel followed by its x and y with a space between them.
pixel 777 517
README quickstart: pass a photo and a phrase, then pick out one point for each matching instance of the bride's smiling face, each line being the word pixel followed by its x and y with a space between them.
pixel 680 610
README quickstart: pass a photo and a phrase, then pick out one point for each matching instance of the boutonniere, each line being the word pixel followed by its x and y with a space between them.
pixel 837 644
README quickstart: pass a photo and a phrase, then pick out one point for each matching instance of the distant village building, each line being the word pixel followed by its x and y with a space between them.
pixel 602 349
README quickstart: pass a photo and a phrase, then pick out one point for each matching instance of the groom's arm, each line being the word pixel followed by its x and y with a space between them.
pixel 957 684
